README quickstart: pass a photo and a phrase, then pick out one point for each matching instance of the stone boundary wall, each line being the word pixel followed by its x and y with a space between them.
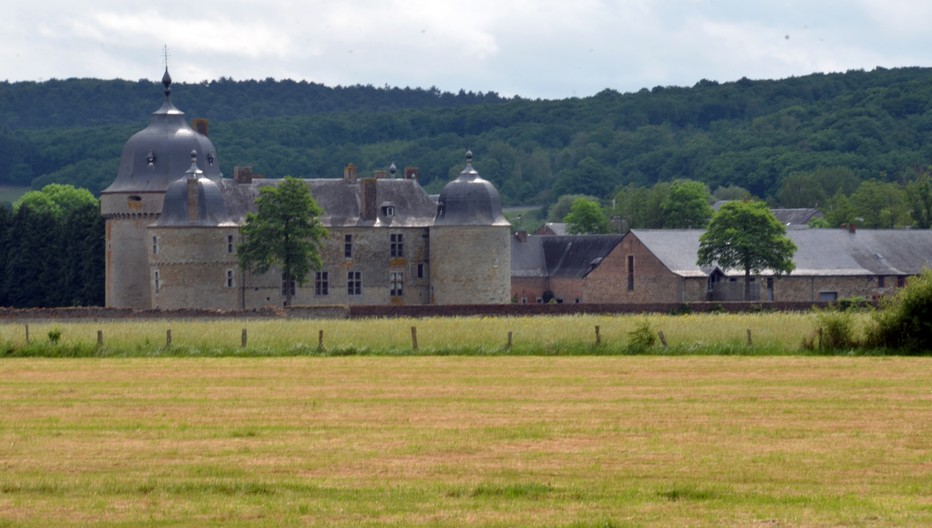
pixel 415 311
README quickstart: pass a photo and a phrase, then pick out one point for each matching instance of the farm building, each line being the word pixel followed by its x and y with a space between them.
pixel 659 266
pixel 172 229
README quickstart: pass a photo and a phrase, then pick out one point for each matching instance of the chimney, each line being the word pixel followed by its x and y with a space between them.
pixel 410 173
pixel 201 126
pixel 193 205
pixel 521 236
pixel 368 208
pixel 242 174
pixel 349 173
pixel 852 228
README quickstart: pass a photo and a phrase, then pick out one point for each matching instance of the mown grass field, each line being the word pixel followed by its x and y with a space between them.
pixel 770 333
pixel 454 441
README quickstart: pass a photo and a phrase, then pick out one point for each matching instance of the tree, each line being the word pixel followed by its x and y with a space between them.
pixel 586 217
pixel 284 232
pixel 919 192
pixel 746 235
pixel 558 211
pixel 687 205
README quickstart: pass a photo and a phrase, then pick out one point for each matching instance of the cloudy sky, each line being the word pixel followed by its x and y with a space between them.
pixel 532 48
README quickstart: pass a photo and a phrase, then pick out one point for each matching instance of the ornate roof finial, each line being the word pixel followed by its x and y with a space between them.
pixel 167 79
pixel 393 170
pixel 468 156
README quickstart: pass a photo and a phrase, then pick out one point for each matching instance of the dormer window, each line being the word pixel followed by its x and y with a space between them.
pixel 150 159
pixel 210 159
pixel 388 210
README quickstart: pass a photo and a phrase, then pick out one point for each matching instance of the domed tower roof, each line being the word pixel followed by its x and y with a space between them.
pixel 157 155
pixel 469 200
pixel 193 200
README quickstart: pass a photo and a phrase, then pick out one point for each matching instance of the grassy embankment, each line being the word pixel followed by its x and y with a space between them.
pixel 456 441
pixel 771 333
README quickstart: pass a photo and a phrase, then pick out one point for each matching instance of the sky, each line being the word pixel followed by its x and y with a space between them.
pixel 532 48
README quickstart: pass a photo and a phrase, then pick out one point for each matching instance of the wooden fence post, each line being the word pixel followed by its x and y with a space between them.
pixel 320 341
pixel 244 339
pixel 168 338
pixel 509 340
pixel 100 340
pixel 414 338
pixel 750 343
pixel 27 334
pixel 663 340
pixel 598 336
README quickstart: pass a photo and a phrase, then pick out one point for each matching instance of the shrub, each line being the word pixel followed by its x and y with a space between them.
pixel 54 336
pixel 905 321
pixel 642 337
pixel 837 329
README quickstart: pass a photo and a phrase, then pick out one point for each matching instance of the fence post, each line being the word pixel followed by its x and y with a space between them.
pixel 598 335
pixel 663 340
pixel 168 338
pixel 750 343
pixel 820 339
pixel 414 338
pixel 100 340
pixel 320 341
pixel 509 340
pixel 244 339
pixel 27 334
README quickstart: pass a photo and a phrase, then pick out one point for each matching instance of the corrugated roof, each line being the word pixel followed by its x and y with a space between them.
pixel 820 251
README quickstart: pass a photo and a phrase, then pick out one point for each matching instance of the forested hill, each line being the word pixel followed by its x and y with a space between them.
pixel 753 134
pixel 91 102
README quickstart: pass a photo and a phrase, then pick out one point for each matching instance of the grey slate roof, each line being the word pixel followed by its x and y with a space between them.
pixel 211 208
pixel 796 216
pixel 161 153
pixel 825 252
pixel 469 200
pixel 340 201
pixel 560 256
pixel 552 228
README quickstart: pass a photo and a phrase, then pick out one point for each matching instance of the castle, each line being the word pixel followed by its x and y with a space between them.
pixel 172 231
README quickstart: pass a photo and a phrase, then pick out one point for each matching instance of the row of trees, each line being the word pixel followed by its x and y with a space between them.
pixel 685 204
pixel 52 249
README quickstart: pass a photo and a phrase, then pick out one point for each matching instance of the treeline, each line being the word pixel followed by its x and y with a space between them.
pixel 748 134
pixel 52 250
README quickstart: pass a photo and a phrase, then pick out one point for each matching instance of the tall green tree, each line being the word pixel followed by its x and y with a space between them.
pixel 586 218
pixel 747 236
pixel 687 205
pixel 285 232
pixel 919 192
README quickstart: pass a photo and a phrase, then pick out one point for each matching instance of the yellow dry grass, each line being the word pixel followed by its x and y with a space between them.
pixel 493 441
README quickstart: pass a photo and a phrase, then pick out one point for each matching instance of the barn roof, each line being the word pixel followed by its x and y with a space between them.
pixel 825 252
pixel 560 256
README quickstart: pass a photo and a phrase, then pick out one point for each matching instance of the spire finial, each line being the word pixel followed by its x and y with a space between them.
pixel 393 170
pixel 166 79
pixel 468 156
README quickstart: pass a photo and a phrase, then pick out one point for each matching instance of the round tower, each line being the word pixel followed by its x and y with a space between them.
pixel 470 249
pixel 192 247
pixel 151 160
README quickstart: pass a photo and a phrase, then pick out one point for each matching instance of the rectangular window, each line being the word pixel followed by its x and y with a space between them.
pixel 397 245
pixel 348 246
pixel 828 296
pixel 155 245
pixel 900 281
pixel 288 286
pixel 354 283
pixel 396 283
pixel 158 282
pixel 229 243
pixel 230 282
pixel 880 281
pixel 322 283
pixel 420 271
pixel 630 272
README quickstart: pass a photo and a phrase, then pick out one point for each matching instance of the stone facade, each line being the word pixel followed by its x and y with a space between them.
pixel 172 234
